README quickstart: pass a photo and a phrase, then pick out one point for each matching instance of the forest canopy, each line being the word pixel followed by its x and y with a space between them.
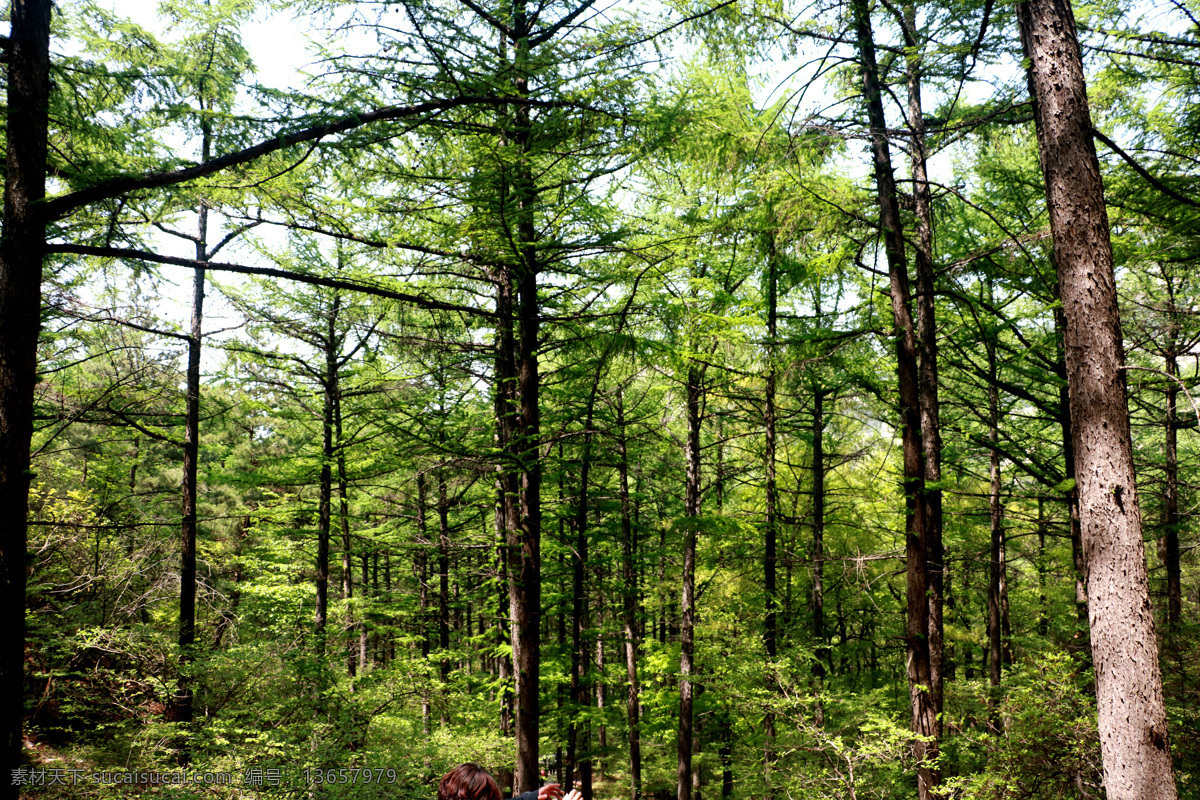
pixel 704 399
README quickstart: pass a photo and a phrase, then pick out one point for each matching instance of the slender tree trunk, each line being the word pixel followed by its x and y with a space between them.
pixel 21 251
pixel 578 732
pixel 579 736
pixel 191 455
pixel 525 579
pixel 996 551
pixel 506 498
pixel 771 617
pixel 191 459
pixel 1132 720
pixel 917 551
pixel 601 686
pixel 421 565
pixel 347 554
pixel 443 512
pixel 687 604
pixel 725 753
pixel 931 438
pixel 823 661
pixel 629 597
pixel 1006 655
pixel 1043 608
pixel 1171 470
pixel 377 649
pixel 927 341
pixel 325 506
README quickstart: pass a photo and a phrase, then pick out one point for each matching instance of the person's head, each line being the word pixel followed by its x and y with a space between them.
pixel 468 782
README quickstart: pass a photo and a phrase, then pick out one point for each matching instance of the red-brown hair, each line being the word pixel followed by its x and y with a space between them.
pixel 468 782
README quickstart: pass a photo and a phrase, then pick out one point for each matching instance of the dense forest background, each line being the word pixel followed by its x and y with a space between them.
pixel 671 399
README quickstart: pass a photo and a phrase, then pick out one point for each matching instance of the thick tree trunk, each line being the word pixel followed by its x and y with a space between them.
pixel 1072 494
pixel 629 598
pixel 917 551
pixel 687 606
pixel 1129 697
pixel 21 252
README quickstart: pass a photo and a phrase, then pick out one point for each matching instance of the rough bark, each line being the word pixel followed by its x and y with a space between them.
pixel 927 377
pixel 1133 732
pixel 21 252
pixel 1072 494
pixel 924 720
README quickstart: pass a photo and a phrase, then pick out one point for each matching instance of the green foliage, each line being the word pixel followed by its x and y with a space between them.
pixel 1048 745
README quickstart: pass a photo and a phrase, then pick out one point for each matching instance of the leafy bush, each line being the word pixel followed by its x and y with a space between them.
pixel 1048 746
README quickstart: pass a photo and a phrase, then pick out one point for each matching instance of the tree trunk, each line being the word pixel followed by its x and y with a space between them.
pixel 1129 698
pixel 525 579
pixel 191 459
pixel 771 599
pixel 1042 569
pixel 421 565
pixel 506 497
pixel 191 455
pixel 823 661
pixel 629 606
pixel 352 638
pixel 1171 469
pixel 443 511
pixel 1072 494
pixel 931 438
pixel 687 606
pixel 917 553
pixel 996 551
pixel 325 505
pixel 21 250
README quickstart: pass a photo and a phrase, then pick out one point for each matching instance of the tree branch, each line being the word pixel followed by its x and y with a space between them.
pixel 1140 170
pixel 270 272
pixel 63 205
